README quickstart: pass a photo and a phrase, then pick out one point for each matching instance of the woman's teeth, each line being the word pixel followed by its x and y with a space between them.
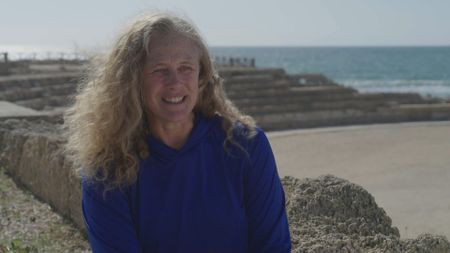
pixel 173 100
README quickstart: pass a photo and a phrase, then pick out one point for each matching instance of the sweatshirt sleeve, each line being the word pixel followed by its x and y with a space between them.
pixel 265 201
pixel 108 220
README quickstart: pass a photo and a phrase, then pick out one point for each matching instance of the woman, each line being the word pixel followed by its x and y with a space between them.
pixel 168 163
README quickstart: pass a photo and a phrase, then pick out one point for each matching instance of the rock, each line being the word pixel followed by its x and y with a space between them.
pixel 331 215
pixel 31 152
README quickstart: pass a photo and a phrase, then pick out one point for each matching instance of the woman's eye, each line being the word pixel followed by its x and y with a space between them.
pixel 159 71
pixel 186 68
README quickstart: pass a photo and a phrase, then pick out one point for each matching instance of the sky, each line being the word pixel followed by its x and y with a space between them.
pixel 94 23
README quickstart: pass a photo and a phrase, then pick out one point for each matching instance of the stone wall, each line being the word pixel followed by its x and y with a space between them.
pixel 30 150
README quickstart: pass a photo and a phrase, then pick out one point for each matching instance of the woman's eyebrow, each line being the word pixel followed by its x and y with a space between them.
pixel 154 64
pixel 190 62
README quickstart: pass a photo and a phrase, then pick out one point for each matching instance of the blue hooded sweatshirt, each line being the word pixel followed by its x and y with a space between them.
pixel 203 197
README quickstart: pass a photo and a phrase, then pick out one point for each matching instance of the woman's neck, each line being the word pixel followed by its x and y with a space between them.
pixel 172 134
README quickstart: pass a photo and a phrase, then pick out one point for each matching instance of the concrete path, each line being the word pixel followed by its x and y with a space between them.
pixel 8 110
pixel 405 166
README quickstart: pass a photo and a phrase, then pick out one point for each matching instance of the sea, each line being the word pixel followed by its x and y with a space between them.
pixel 423 70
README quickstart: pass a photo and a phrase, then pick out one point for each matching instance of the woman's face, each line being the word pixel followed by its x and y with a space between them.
pixel 170 79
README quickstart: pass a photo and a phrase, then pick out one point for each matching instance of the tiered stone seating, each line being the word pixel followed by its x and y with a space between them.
pixel 279 101
pixel 276 100
pixel 39 91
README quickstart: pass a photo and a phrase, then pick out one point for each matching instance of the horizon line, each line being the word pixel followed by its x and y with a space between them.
pixel 393 45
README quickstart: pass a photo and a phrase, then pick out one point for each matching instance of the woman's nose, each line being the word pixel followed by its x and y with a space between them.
pixel 173 78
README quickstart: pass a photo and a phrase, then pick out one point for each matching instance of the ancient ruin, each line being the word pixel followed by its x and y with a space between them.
pixel 276 100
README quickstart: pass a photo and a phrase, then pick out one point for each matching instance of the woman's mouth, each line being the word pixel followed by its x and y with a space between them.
pixel 174 100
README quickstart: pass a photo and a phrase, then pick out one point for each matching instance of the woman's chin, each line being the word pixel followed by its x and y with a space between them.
pixel 175 117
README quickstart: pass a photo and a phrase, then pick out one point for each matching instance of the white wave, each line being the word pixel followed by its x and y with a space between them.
pixel 434 88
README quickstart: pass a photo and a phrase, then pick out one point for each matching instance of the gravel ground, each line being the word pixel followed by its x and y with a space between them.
pixel 28 225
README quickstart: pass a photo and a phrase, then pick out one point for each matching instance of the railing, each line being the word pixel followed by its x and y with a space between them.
pixel 59 56
pixel 12 62
pixel 3 57
pixel 4 64
pixel 30 62
pixel 234 61
pixel 46 56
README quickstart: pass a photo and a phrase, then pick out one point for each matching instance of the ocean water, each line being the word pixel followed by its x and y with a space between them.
pixel 425 70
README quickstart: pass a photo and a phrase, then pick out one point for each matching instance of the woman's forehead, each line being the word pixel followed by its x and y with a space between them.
pixel 172 47
pixel 181 56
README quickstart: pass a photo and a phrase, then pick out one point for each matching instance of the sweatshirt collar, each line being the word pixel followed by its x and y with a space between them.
pixel 202 127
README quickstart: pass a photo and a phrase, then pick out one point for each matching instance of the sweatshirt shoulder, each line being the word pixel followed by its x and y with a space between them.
pixel 241 132
pixel 245 139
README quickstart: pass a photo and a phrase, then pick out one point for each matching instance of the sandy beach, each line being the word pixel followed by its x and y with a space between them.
pixel 404 166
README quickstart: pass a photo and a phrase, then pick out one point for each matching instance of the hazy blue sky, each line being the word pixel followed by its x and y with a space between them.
pixel 93 23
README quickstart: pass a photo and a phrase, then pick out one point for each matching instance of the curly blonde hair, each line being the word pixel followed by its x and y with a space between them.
pixel 106 126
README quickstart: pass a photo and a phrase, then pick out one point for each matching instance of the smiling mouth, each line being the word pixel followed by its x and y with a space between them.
pixel 174 100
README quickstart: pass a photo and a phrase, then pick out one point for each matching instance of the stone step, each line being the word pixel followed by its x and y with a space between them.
pixel 409 112
pixel 226 72
pixel 44 103
pixel 364 101
pixel 298 98
pixel 402 113
pixel 240 80
pixel 291 120
pixel 327 97
pixel 299 92
pixel 37 80
pixel 242 87
pixel 396 98
pixel 18 94
pixel 355 103
pixel 62 89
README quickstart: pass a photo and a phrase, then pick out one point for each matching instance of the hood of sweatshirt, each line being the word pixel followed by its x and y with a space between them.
pixel 202 128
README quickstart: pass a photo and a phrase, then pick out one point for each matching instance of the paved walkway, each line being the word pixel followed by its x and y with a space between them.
pixel 406 167
pixel 8 109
